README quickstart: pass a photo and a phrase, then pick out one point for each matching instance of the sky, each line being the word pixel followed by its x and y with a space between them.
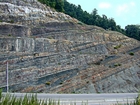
pixel 124 12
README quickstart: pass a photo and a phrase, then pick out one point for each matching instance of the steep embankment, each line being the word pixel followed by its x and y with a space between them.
pixel 50 52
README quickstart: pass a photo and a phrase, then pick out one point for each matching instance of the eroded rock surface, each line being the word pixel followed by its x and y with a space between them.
pixel 50 52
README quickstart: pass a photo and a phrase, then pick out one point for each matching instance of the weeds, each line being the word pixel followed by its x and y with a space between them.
pixel 32 100
pixel 136 102
pixel 26 100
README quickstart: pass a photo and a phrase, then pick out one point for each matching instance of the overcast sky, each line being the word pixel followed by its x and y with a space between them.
pixel 124 12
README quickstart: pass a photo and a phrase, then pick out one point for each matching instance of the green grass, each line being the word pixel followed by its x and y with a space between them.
pixel 30 100
pixel 136 102
pixel 26 100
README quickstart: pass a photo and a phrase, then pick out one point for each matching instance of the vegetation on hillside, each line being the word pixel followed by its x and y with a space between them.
pixel 133 31
pixel 93 18
pixel 57 4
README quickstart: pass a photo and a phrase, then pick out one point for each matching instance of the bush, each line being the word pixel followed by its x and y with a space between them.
pixel 131 53
pixel 116 47
pixel 48 83
pixel 61 83
pixel 9 35
pixel 117 64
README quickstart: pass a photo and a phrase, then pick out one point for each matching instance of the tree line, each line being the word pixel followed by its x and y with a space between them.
pixel 92 18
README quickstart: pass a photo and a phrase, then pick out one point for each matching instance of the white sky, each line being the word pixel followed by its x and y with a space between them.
pixel 124 12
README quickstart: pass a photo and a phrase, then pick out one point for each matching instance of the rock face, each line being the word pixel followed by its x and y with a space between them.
pixel 51 52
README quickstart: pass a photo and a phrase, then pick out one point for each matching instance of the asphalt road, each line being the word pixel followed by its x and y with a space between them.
pixel 91 99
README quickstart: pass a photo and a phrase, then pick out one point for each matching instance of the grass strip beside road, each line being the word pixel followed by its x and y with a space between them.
pixel 32 99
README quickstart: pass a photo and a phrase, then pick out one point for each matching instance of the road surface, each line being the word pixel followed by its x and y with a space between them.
pixel 89 99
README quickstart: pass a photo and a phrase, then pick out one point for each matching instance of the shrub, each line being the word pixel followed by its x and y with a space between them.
pixel 48 83
pixel 116 47
pixel 61 83
pixel 73 92
pixel 98 62
pixel 87 82
pixel 131 53
pixel 110 66
pixel 117 64
pixel 9 35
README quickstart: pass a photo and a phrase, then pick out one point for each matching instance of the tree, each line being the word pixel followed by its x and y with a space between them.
pixel 94 12
pixel 112 24
pixel 79 13
pixel 94 16
pixel 70 9
pixel 52 3
pixel 59 5
pixel 133 31
pixel 104 22
pixel 86 17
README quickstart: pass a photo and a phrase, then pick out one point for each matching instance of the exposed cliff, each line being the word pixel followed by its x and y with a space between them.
pixel 50 52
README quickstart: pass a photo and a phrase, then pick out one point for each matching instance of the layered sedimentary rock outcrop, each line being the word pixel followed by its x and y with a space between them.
pixel 51 52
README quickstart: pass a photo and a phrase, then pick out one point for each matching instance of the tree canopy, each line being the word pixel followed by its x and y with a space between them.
pixel 133 31
pixel 57 4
